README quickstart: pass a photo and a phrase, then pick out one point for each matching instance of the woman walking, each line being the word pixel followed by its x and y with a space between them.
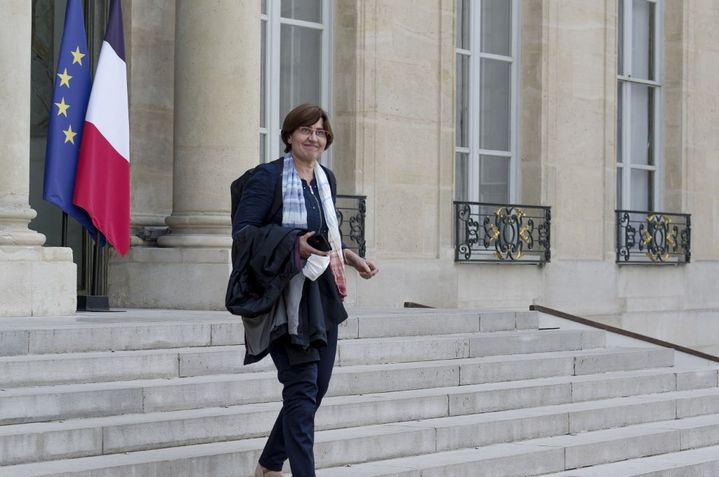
pixel 304 342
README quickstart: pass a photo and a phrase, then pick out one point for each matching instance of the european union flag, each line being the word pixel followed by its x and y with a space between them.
pixel 71 92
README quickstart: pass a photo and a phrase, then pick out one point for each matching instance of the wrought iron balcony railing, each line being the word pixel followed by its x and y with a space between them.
pixel 501 233
pixel 351 210
pixel 653 238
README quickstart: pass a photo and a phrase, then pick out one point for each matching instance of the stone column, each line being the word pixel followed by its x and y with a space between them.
pixel 34 280
pixel 217 78
pixel 15 211
pixel 150 52
pixel 216 138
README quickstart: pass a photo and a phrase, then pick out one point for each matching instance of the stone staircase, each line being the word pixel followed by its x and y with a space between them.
pixel 415 393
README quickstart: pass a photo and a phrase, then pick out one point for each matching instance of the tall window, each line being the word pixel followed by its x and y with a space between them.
pixel 638 104
pixel 295 64
pixel 486 121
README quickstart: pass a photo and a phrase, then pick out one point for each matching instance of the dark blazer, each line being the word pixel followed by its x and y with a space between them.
pixel 259 194
pixel 265 257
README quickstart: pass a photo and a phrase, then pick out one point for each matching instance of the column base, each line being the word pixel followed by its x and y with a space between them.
pixel 179 278
pixel 37 281
pixel 93 303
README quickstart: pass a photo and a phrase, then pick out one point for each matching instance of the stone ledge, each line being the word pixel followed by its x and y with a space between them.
pixel 176 278
pixel 13 253
pixel 37 281
pixel 175 255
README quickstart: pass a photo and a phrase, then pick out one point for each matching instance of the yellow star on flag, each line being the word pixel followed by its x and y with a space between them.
pixel 64 78
pixel 77 56
pixel 62 107
pixel 69 135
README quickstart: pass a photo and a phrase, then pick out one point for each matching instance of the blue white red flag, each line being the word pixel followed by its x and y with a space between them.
pixel 102 184
pixel 67 116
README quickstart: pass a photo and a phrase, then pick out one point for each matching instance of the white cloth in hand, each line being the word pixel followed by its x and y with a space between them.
pixel 315 266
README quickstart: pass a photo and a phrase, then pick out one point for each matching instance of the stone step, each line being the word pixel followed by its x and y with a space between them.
pixel 477 430
pixel 44 369
pixel 148 329
pixel 534 457
pixel 392 441
pixel 613 445
pixel 47 403
pixel 77 437
pixel 438 322
pixel 416 393
pixel 500 460
pixel 93 367
pixel 469 345
pixel 96 335
pixel 702 462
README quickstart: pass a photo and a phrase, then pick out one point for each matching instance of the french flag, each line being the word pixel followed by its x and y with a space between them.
pixel 102 182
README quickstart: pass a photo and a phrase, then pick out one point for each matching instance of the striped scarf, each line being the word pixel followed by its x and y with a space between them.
pixel 294 214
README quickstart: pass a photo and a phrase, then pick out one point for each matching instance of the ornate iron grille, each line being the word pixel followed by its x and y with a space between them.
pixel 653 238
pixel 351 210
pixel 501 233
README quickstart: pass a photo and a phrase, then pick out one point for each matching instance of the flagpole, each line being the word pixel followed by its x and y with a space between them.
pixel 63 237
pixel 94 301
pixel 95 265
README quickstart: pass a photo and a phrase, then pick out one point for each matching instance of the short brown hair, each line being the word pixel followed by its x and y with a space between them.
pixel 305 115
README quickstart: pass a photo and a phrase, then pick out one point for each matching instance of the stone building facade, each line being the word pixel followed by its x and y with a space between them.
pixel 564 76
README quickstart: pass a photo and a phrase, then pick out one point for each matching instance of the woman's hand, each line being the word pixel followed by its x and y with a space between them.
pixel 366 268
pixel 306 249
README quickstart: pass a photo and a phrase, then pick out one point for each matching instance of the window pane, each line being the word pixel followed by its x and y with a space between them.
pixel 620 37
pixel 498 194
pixel 300 67
pixel 461 176
pixel 308 10
pixel 495 104
pixel 263 74
pixel 643 39
pixel 462 40
pixel 652 42
pixel 642 124
pixel 462 126
pixel 263 8
pixel 620 178
pixel 620 122
pixel 496 27
pixel 494 179
pixel 642 190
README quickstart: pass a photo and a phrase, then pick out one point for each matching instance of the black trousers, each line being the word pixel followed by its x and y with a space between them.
pixel 305 385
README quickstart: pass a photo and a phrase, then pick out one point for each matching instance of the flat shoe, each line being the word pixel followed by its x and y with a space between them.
pixel 262 472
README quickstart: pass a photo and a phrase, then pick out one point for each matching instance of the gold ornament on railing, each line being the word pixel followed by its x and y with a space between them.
pixel 659 252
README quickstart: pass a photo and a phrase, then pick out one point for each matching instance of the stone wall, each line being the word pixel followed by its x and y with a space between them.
pixel 568 159
pixel 701 123
pixel 393 114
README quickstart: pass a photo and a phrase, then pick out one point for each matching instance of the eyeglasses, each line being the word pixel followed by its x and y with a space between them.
pixel 305 131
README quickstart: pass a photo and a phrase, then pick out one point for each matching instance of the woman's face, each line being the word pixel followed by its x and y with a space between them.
pixel 308 142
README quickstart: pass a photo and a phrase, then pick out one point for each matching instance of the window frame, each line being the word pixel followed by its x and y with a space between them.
pixel 475 180
pixel 270 104
pixel 625 81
